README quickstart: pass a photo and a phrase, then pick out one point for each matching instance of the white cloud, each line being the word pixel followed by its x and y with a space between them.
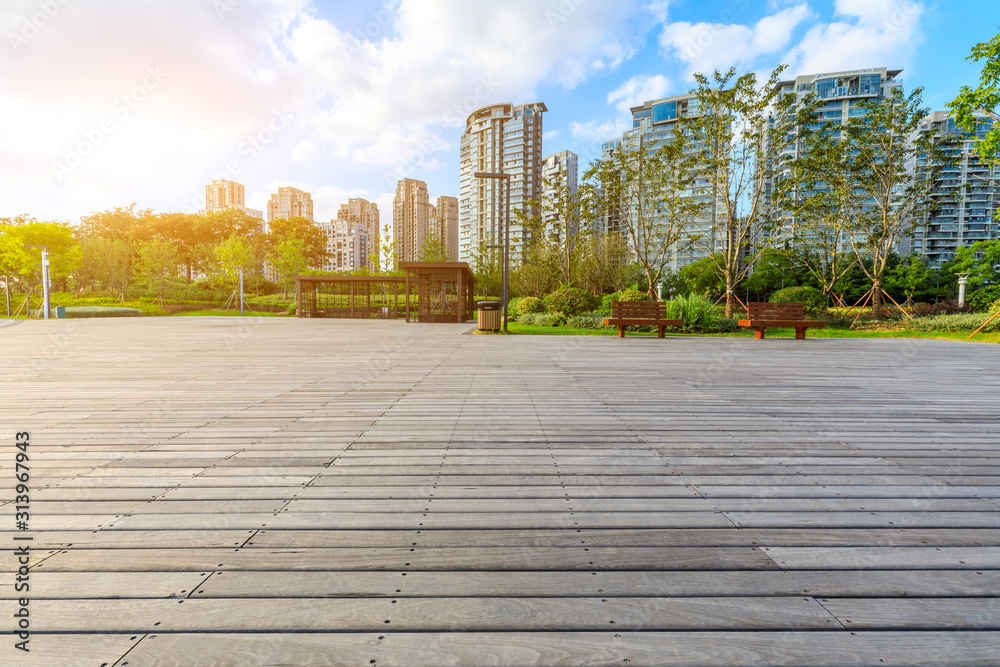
pixel 551 134
pixel 304 151
pixel 637 90
pixel 873 33
pixel 705 47
pixel 377 77
pixel 597 131
pixel 371 96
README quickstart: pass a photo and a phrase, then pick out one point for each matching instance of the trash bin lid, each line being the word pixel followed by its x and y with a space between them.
pixel 488 305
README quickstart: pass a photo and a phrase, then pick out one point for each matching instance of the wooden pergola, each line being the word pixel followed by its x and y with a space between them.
pixel 444 291
pixel 356 297
pixel 427 292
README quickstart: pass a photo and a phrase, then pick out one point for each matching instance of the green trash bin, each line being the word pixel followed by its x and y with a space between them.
pixel 61 312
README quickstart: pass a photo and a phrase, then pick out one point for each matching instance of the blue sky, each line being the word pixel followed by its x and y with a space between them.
pixel 109 102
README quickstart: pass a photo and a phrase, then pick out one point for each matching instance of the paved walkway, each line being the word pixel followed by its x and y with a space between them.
pixel 292 492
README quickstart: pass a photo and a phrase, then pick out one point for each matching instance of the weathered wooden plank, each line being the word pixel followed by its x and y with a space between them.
pixel 831 558
pixel 816 583
pixel 567 649
pixel 967 613
pixel 403 559
pixel 432 614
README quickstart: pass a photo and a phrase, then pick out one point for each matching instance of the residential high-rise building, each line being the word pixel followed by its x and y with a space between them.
pixel 445 224
pixel 967 196
pixel 363 214
pixel 222 194
pixel 840 95
pixel 498 138
pixel 558 170
pixel 411 216
pixel 290 203
pixel 653 124
pixel 346 243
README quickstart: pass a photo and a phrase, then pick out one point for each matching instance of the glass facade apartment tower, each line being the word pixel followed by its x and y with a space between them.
pixel 498 138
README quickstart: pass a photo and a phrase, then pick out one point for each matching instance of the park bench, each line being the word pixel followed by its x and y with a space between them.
pixel 763 315
pixel 654 313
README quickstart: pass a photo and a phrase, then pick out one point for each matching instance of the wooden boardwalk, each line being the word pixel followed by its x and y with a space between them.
pixel 214 492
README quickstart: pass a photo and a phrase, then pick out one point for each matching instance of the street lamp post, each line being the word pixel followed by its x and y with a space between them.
pixel 506 235
pixel 46 308
pixel 241 290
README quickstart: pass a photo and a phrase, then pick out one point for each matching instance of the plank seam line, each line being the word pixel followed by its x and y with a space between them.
pixel 835 617
pixel 201 583
pixel 122 657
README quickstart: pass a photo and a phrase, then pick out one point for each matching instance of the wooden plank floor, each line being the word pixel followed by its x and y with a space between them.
pixel 212 492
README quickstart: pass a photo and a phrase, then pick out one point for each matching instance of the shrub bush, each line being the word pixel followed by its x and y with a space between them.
pixel 952 323
pixel 633 295
pixel 588 321
pixel 982 298
pixel 101 311
pixel 726 325
pixel 527 305
pixel 547 320
pixel 570 301
pixel 813 299
pixel 940 308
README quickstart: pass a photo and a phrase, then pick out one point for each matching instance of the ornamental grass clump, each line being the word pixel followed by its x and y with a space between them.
pixel 696 311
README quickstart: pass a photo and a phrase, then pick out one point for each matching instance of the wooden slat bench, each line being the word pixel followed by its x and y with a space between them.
pixel 763 315
pixel 654 313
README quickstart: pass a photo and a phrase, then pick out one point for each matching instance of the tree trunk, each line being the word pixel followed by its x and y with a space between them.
pixel 876 295
pixel 730 295
pixel 649 281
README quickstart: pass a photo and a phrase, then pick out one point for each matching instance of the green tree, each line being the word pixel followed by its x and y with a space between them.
pixel 108 262
pixel 156 264
pixel 704 276
pixel 487 267
pixel 229 255
pixel 742 132
pixel 384 257
pixel 971 104
pixel 653 195
pixel 434 249
pixel 980 261
pixel 603 262
pixel 24 264
pixel 556 225
pixel 909 276
pixel 287 259
pixel 882 196
pixel 313 239
pixel 821 213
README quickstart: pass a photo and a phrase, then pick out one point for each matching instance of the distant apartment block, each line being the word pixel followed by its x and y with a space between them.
pixel 411 215
pixel 290 203
pixel 966 193
pixel 558 170
pixel 841 95
pixel 498 138
pixel 653 125
pixel 364 216
pixel 254 213
pixel 346 243
pixel 445 224
pixel 221 194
